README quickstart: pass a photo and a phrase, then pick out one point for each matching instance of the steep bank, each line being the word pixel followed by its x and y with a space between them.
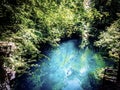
pixel 32 23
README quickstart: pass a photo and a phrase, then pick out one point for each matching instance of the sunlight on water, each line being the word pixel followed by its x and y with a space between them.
pixel 68 68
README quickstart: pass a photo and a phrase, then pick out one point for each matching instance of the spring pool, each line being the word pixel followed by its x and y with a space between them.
pixel 66 68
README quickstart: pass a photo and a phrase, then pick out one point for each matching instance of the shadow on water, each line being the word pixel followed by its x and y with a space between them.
pixel 68 68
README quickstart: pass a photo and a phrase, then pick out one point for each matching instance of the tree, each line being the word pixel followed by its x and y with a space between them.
pixel 109 40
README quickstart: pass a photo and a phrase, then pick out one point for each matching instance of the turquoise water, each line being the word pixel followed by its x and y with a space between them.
pixel 66 68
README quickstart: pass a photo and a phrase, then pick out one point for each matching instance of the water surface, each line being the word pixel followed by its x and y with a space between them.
pixel 67 68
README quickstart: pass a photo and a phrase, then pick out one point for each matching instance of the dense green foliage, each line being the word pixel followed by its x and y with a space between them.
pixel 109 40
pixel 109 30
pixel 31 23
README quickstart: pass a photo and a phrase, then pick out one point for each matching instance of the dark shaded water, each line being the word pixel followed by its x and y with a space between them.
pixel 67 68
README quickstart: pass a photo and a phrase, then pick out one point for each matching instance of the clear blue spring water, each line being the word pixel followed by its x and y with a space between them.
pixel 67 68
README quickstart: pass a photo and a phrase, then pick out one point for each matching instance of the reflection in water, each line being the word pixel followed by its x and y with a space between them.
pixel 68 68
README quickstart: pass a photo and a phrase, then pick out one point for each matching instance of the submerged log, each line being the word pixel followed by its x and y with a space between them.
pixel 110 80
pixel 110 74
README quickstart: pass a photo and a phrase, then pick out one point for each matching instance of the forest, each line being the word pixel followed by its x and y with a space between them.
pixel 31 26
